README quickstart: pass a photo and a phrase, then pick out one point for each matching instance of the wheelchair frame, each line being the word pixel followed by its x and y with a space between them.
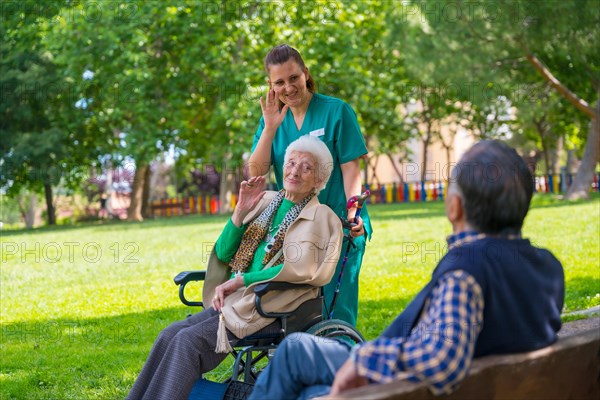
pixel 308 317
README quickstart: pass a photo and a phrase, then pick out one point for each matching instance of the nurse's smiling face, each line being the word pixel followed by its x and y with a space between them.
pixel 289 82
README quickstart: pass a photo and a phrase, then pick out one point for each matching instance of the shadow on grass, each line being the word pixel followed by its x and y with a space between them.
pixel 101 357
pixel 79 358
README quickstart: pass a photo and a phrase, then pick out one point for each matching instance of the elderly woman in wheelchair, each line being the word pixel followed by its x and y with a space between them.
pixel 285 236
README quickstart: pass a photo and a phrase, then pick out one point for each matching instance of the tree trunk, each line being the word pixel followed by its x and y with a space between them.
pixel 540 126
pixel 564 91
pixel 134 212
pixel 27 209
pixel 146 211
pixel 30 214
pixel 395 168
pixel 555 156
pixel 227 186
pixel 426 141
pixel 374 178
pixel 49 204
pixel 585 174
pixel 571 160
pixel 546 156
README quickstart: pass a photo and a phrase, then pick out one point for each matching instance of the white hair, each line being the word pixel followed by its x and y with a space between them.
pixel 318 149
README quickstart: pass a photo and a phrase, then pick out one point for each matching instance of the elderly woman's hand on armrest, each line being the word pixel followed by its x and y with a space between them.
pixel 225 289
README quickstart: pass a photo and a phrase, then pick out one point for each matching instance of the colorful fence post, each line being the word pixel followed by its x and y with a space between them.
pixel 207 204
pixel 428 192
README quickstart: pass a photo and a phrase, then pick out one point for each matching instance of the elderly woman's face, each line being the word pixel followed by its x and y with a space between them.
pixel 300 175
pixel 289 81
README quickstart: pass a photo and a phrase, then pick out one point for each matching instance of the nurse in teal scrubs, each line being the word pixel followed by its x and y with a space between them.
pixel 292 109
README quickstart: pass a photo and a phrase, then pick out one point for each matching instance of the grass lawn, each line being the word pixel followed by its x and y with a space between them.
pixel 81 306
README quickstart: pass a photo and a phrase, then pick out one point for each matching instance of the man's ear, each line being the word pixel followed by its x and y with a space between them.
pixel 454 209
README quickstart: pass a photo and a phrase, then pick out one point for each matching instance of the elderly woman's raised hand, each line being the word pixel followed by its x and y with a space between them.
pixel 272 116
pixel 251 191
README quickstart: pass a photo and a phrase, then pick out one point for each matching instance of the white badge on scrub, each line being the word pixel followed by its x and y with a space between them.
pixel 318 132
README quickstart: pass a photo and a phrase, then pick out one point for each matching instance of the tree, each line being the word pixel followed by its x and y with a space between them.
pixel 36 150
pixel 134 108
pixel 503 42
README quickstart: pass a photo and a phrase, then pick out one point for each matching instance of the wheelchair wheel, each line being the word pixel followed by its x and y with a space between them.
pixel 334 328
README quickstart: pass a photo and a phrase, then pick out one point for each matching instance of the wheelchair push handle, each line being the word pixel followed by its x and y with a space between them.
pixel 358 201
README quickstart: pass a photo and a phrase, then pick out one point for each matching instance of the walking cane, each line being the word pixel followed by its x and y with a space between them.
pixel 359 201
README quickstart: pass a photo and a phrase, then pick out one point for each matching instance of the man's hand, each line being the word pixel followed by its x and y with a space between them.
pixel 347 378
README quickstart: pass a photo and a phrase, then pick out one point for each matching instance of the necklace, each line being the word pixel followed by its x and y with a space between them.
pixel 270 237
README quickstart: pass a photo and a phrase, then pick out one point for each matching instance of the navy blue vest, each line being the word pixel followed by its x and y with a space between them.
pixel 523 289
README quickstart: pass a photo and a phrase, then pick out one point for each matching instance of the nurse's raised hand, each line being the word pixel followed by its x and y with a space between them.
pixel 272 116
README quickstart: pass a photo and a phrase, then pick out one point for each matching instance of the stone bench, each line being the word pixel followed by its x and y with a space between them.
pixel 569 369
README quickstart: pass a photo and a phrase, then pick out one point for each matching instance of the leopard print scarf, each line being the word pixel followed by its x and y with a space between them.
pixel 257 230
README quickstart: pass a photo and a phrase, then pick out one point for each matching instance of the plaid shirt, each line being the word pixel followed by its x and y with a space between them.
pixel 440 347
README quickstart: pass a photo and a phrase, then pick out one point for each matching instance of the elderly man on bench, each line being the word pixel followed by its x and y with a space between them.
pixel 492 293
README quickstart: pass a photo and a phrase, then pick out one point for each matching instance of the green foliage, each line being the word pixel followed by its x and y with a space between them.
pixel 33 147
pixel 477 51
pixel 81 306
pixel 131 80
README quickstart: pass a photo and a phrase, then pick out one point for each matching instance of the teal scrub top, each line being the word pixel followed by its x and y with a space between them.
pixel 334 122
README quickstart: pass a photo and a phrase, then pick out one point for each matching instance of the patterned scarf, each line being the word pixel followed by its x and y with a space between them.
pixel 257 230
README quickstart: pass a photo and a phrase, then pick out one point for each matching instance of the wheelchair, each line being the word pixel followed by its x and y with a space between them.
pixel 251 350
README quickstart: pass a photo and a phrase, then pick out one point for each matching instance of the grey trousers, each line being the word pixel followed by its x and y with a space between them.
pixel 181 354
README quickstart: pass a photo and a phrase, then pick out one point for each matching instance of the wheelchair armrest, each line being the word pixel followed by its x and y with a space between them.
pixel 185 277
pixel 261 289
pixel 189 276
